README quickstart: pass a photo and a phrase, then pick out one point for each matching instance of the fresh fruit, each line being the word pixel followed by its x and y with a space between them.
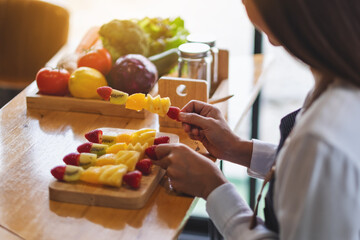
pixel 112 95
pixel 104 92
pixel 129 158
pixel 135 101
pixel 94 136
pixel 123 138
pixel 133 73
pixel 108 139
pixel 67 173
pixel 116 147
pixel 133 179
pixel 111 175
pixel 84 82
pixel 161 140
pixel 173 113
pixel 138 147
pixel 144 166
pixel 150 152
pixel 58 172
pixel 84 160
pixel 99 59
pixel 157 105
pixel 98 149
pixel 53 81
pixel 142 136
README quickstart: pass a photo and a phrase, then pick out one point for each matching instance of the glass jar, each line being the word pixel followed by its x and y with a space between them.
pixel 195 61
pixel 211 41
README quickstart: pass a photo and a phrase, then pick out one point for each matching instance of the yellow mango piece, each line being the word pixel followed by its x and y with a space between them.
pixel 139 148
pixel 116 147
pixel 135 101
pixel 166 103
pixel 91 175
pixel 143 135
pixel 123 138
pixel 129 158
pixel 106 159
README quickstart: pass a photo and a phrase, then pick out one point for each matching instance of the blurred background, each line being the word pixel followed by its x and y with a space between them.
pixel 286 81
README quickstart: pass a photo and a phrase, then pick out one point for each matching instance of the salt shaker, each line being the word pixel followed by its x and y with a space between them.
pixel 211 41
pixel 195 61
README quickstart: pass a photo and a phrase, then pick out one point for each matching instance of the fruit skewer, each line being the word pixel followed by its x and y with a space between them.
pixel 138 101
pixel 111 175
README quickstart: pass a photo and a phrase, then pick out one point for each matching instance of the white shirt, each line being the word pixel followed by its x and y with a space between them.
pixel 317 187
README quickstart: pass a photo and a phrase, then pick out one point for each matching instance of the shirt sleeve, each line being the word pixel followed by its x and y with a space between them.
pixel 262 159
pixel 231 215
pixel 316 193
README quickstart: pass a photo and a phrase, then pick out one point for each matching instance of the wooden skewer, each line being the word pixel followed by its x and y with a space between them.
pixel 223 99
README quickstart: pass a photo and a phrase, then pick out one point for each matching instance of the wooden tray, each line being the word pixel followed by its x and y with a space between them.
pixel 34 100
pixel 98 195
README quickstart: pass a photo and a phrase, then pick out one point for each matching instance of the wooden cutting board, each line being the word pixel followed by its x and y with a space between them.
pixel 99 195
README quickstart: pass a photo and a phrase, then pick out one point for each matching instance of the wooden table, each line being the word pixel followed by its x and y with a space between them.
pixel 34 141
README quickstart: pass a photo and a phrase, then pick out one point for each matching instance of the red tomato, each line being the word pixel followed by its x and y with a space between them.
pixel 53 81
pixel 100 59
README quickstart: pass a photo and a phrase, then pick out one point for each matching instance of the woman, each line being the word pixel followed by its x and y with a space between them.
pixel 314 193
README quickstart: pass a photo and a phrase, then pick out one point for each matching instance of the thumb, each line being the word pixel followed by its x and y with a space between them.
pixel 195 119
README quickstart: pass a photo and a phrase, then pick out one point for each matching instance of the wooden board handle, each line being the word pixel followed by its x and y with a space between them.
pixel 181 91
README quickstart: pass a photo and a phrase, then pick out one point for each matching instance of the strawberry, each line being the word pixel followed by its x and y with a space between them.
pixel 58 172
pixel 94 136
pixel 150 152
pixel 161 140
pixel 72 159
pixel 104 92
pixel 173 113
pixel 144 166
pixel 85 147
pixel 133 179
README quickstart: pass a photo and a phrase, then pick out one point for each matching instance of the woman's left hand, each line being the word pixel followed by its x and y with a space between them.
pixel 189 171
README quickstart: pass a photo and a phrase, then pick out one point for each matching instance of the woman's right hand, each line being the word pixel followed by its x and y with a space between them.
pixel 205 123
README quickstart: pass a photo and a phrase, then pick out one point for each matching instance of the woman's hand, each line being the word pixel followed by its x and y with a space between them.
pixel 189 171
pixel 205 123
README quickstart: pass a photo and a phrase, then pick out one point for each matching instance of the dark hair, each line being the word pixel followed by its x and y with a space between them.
pixel 325 34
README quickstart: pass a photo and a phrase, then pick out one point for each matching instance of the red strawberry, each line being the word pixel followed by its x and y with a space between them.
pixel 94 136
pixel 104 92
pixel 133 179
pixel 150 152
pixel 144 166
pixel 72 159
pixel 161 140
pixel 58 172
pixel 173 113
pixel 85 147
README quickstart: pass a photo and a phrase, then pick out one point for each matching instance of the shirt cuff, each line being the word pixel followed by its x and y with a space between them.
pixel 223 202
pixel 262 159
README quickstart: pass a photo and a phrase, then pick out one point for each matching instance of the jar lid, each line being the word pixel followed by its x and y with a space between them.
pixel 194 50
pixel 202 38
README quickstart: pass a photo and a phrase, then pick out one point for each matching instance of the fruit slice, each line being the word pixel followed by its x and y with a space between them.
pixel 173 113
pixel 94 136
pixel 129 158
pixel 118 97
pixel 142 136
pixel 108 139
pixel 139 148
pixel 104 92
pixel 67 173
pixel 106 159
pixel 111 175
pixel 84 160
pixel 157 104
pixel 116 147
pixel 133 179
pixel 98 149
pixel 161 140
pixel 135 101
pixel 123 138
pixel 144 166
pixel 150 152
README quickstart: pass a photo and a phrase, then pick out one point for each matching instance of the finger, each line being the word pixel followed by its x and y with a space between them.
pixel 194 119
pixel 163 150
pixel 193 106
pixel 163 163
pixel 186 127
